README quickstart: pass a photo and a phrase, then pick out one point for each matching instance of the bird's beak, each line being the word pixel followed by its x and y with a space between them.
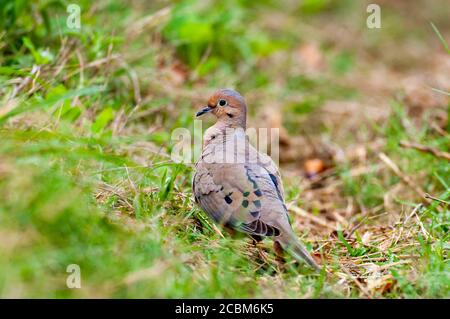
pixel 204 110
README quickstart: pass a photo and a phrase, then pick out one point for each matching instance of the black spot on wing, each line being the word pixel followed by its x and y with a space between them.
pixel 254 214
pixel 248 171
pixel 277 187
pixel 228 199
pixel 258 193
pixel 274 179
pixel 245 203
pixel 275 183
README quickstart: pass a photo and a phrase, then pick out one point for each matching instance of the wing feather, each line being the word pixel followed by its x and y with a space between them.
pixel 242 196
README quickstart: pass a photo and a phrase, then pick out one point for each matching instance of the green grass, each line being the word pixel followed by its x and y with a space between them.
pixel 86 118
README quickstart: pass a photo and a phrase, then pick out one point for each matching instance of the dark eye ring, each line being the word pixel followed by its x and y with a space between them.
pixel 222 102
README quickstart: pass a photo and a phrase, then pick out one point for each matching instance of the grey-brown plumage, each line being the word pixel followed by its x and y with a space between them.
pixel 236 185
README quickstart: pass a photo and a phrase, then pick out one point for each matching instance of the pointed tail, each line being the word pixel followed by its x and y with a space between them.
pixel 291 244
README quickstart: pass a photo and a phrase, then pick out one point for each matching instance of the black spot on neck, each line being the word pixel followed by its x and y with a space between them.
pixel 230 115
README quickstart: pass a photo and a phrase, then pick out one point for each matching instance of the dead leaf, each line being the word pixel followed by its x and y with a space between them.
pixel 313 167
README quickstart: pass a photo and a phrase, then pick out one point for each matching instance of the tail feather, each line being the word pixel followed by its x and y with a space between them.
pixel 293 247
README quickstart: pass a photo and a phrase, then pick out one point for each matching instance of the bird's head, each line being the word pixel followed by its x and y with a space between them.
pixel 228 106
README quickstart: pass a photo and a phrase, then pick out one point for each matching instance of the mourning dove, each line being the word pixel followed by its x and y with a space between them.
pixel 239 187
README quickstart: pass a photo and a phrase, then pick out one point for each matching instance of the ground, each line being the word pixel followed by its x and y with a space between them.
pixel 86 122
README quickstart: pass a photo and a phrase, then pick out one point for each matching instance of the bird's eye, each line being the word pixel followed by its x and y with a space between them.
pixel 222 102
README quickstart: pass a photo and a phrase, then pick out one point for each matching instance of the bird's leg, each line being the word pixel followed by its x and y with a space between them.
pixel 279 255
pixel 256 239
pixel 256 243
pixel 229 230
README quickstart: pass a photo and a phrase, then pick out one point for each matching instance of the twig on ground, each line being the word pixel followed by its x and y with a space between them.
pixel 414 211
pixel 360 286
pixel 400 262
pixel 436 199
pixel 426 149
pixel 400 233
pixel 217 230
pixel 354 228
pixel 148 22
pixel 111 189
pixel 438 129
pixel 94 64
pixel 441 91
pixel 406 179
pixel 422 228
pixel 317 220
